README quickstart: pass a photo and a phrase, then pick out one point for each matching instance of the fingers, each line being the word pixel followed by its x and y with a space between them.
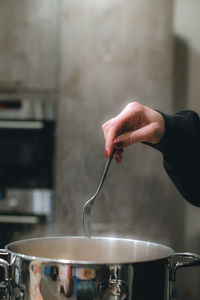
pixel 110 130
pixel 118 155
pixel 110 133
pixel 148 133
pixel 139 124
pixel 128 119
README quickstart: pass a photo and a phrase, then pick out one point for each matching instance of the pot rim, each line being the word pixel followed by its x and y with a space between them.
pixel 170 251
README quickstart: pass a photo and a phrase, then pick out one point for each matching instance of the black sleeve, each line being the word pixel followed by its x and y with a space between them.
pixel 180 147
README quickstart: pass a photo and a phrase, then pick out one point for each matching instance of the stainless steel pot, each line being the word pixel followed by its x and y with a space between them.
pixel 86 269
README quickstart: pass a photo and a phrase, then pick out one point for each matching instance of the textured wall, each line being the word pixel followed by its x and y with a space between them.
pixel 112 51
pixel 28 44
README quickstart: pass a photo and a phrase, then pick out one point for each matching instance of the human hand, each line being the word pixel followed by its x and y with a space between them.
pixel 136 123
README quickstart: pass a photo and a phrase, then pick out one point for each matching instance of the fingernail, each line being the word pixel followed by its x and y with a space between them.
pixel 119 143
pixel 117 159
pixel 106 153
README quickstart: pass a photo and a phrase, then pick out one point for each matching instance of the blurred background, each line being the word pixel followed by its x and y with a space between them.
pixel 67 66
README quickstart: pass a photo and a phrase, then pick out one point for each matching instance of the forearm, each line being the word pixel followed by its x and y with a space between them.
pixel 180 147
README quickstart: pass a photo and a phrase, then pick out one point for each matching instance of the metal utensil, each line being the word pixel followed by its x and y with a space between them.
pixel 88 205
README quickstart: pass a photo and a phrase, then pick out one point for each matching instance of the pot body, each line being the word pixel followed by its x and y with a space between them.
pixel 87 269
pixel 79 268
pixel 90 269
pixel 40 280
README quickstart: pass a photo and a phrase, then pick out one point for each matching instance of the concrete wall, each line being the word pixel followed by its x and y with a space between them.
pixel 101 54
pixel 111 52
pixel 28 45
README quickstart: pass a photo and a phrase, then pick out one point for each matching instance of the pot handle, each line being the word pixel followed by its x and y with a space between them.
pixel 4 264
pixel 182 260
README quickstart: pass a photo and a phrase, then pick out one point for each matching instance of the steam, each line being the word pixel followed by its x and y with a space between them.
pixel 107 55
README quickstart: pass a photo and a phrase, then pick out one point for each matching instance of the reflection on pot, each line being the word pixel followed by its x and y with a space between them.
pixel 62 281
pixel 113 289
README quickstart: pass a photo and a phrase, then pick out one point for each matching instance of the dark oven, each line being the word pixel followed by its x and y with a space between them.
pixel 26 153
pixel 27 135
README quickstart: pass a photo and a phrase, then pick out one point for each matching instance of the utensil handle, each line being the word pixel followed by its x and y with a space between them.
pixel 182 260
pixel 108 162
pixel 106 168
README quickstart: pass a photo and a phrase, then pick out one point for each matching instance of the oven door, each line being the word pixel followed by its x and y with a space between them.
pixel 26 153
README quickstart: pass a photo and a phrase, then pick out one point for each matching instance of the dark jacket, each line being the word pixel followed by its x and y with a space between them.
pixel 180 147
